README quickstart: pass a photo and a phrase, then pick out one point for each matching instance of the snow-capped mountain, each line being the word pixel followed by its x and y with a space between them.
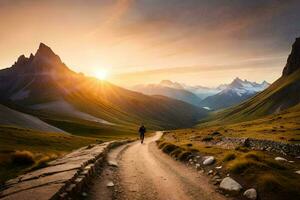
pixel 245 87
pixel 233 93
pixel 223 96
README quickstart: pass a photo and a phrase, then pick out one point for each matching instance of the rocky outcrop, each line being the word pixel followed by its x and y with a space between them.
pixel 63 178
pixel 293 61
pixel 258 144
pixel 273 146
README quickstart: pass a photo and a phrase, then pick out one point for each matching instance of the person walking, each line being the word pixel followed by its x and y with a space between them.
pixel 142 131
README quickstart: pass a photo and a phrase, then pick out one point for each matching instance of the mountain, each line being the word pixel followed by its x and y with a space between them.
pixel 282 95
pixel 232 94
pixel 43 86
pixel 169 89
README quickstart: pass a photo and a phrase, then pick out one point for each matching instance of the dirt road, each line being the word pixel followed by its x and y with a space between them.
pixel 144 172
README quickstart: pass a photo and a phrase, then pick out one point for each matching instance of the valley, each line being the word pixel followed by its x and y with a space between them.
pixel 149 100
pixel 255 143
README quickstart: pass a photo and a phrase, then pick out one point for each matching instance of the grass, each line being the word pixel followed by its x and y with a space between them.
pixel 283 127
pixel 229 157
pixel 273 179
pixel 94 130
pixel 24 149
pixel 22 158
pixel 207 138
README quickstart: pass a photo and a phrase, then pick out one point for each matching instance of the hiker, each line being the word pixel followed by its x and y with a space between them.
pixel 142 132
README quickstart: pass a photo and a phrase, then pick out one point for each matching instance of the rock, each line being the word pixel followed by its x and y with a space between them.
pixel 216 179
pixel 219 167
pixel 293 60
pixel 197 166
pixel 112 163
pixel 291 161
pixel 230 185
pixel 209 160
pixel 210 172
pixel 84 194
pixel 280 159
pixel 250 194
pixel 110 184
pixel 297 172
pixel 269 149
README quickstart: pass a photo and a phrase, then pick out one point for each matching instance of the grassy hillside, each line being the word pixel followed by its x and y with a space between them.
pixel 252 169
pixel 284 127
pixel 43 147
pixel 13 117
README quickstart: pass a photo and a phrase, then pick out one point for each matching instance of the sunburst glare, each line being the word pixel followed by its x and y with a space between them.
pixel 101 74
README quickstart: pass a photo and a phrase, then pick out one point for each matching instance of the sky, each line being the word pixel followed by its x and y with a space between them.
pixel 197 42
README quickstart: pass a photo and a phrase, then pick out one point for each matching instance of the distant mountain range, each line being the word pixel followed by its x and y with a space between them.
pixel 169 89
pixel 222 96
pixel 281 97
pixel 233 93
pixel 44 88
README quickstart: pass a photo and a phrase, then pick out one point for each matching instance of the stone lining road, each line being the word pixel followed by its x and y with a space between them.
pixel 144 172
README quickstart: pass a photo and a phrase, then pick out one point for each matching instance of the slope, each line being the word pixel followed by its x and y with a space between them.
pixel 279 96
pixel 42 83
pixel 15 118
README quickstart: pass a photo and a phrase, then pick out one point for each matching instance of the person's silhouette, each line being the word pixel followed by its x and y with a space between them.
pixel 142 131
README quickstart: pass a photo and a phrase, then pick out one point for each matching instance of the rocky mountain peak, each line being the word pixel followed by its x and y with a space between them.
pixel 44 61
pixel 237 82
pixel 22 59
pixel 293 61
pixel 45 52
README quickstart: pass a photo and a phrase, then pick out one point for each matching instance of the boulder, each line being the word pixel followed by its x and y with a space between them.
pixel 230 185
pixel 209 160
pixel 250 194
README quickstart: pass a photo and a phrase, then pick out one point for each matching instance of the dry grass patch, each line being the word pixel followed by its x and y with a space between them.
pixel 229 157
pixel 22 158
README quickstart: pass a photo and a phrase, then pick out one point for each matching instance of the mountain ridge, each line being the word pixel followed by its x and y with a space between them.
pixel 235 92
pixel 43 78
pixel 281 95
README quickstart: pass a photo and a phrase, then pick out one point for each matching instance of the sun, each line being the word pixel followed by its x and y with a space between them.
pixel 101 74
